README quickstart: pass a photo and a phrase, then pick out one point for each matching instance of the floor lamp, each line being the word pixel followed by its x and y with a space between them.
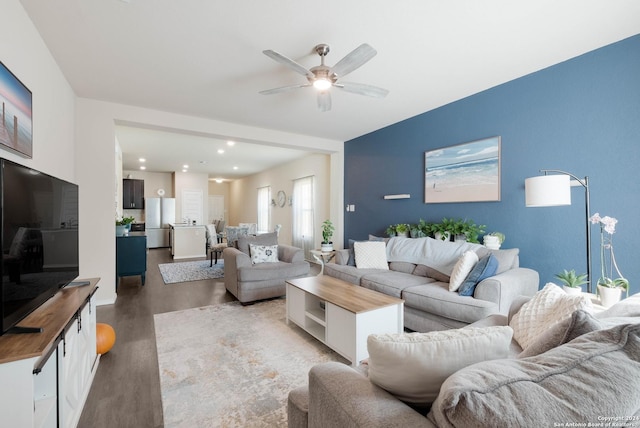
pixel 555 190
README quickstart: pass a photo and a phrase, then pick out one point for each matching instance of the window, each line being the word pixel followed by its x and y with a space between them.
pixel 303 214
pixel 264 209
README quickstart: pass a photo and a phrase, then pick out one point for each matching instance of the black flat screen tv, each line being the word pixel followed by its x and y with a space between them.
pixel 39 235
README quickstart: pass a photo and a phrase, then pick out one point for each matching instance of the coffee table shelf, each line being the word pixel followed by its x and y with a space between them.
pixel 342 315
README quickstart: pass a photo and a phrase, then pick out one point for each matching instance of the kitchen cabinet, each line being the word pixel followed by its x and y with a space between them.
pixel 132 194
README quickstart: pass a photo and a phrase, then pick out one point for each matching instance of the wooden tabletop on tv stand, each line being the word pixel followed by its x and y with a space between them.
pixel 350 297
pixel 52 316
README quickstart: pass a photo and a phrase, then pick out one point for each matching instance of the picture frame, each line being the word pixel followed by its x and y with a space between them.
pixel 16 110
pixel 467 172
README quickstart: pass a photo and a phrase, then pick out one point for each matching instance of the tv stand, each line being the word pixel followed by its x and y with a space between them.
pixel 24 330
pixel 45 378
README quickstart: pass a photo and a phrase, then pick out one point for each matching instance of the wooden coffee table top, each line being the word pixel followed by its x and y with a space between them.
pixel 350 297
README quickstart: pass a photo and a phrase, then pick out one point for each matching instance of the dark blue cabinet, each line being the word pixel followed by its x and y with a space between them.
pixel 131 257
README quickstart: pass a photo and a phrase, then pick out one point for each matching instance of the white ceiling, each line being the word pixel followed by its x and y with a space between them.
pixel 204 57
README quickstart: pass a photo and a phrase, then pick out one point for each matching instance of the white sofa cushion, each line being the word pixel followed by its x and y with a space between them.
pixel 263 253
pixel 412 366
pixel 371 255
pixel 461 270
pixel 546 308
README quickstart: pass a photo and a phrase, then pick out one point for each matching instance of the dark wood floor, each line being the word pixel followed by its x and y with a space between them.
pixel 126 388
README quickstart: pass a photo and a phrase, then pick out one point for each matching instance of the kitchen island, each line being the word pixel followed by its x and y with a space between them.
pixel 188 241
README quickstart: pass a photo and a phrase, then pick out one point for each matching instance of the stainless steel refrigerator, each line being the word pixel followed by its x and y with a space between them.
pixel 159 213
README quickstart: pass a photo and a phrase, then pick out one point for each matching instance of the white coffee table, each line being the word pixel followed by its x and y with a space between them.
pixel 342 315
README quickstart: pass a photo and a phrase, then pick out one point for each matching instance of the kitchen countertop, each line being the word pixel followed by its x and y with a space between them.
pixel 174 225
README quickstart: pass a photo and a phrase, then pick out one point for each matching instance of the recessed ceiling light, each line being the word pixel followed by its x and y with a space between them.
pixel 230 143
pixel 185 166
pixel 143 167
pixel 218 180
pixel 235 167
pixel 184 170
pixel 221 151
pixel 142 160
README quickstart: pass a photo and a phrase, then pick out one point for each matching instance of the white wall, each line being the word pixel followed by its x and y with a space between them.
pixel 95 133
pixel 24 53
pixel 191 182
pixel 243 207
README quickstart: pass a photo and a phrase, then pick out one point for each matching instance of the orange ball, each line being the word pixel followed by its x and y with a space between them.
pixel 105 338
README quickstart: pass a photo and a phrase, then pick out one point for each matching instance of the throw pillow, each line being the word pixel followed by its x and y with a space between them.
pixel 593 376
pixel 461 270
pixel 507 259
pixel 424 270
pixel 546 308
pixel 486 267
pixel 412 366
pixel 263 239
pixel 263 253
pixel 581 322
pixel 371 254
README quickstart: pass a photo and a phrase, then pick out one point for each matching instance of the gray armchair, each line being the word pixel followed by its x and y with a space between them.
pixel 250 282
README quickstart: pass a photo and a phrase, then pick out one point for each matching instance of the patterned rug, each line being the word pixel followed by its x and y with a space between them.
pixel 191 271
pixel 230 365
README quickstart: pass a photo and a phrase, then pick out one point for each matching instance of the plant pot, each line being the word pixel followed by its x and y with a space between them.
pixel 491 242
pixel 572 290
pixel 442 236
pixel 460 238
pixel 609 296
pixel 326 247
pixel 402 234
pixel 122 230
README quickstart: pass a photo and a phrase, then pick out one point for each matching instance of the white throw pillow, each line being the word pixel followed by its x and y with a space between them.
pixel 461 270
pixel 546 308
pixel 263 253
pixel 413 366
pixel 370 254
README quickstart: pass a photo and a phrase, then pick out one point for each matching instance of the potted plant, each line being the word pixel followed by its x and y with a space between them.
pixel 572 282
pixel 419 230
pixel 609 289
pixel 467 230
pixel 493 240
pixel 327 234
pixel 402 229
pixel 123 225
pixel 391 230
pixel 444 230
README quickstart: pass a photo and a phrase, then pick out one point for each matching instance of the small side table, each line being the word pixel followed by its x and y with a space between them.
pixel 322 257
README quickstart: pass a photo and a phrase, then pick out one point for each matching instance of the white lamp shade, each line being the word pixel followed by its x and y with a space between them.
pixel 547 191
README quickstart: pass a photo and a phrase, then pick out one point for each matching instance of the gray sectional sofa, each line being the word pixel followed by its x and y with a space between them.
pixel 419 270
pixel 587 375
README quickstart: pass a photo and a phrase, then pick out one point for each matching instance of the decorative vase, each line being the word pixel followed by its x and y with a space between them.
pixel 326 247
pixel 402 234
pixel 572 290
pixel 442 236
pixel 491 242
pixel 461 237
pixel 609 296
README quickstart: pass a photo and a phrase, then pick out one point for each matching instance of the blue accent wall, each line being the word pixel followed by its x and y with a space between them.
pixel 581 116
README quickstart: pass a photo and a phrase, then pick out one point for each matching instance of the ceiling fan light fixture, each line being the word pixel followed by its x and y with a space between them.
pixel 322 84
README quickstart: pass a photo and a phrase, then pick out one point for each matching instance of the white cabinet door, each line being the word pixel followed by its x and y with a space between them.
pixel 70 379
pixel 295 304
pixel 341 331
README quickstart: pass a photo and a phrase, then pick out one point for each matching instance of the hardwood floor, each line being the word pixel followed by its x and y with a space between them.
pixel 126 388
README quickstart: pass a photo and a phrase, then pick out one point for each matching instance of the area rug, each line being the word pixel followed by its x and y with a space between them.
pixel 230 365
pixel 191 271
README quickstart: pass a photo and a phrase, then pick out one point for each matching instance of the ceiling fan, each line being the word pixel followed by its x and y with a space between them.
pixel 323 77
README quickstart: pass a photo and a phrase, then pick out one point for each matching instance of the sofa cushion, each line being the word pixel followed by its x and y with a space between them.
pixel 263 253
pixel 404 364
pixel 403 267
pixel 370 255
pixel 581 322
pixel 435 298
pixel 424 270
pixel 507 259
pixel 546 308
pixel 461 270
pixel 593 377
pixel 271 271
pixel 263 239
pixel 350 274
pixel 486 267
pixel 391 283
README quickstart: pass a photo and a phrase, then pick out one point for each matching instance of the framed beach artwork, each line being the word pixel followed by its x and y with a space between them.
pixel 468 172
pixel 16 130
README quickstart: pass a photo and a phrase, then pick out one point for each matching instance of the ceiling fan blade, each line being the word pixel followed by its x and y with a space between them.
pixel 324 101
pixel 288 62
pixel 362 89
pixel 353 60
pixel 283 89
